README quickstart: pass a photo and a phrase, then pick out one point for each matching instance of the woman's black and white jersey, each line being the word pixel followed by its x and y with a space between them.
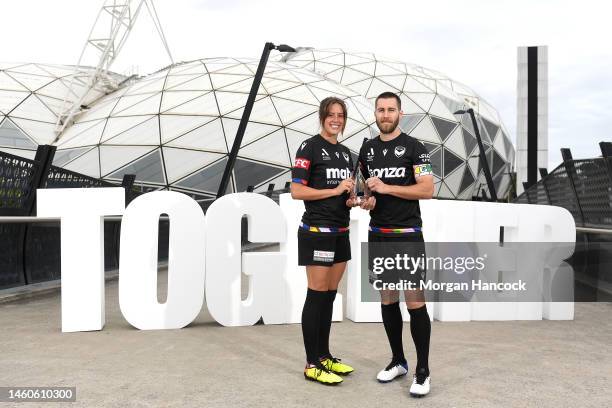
pixel 396 162
pixel 320 164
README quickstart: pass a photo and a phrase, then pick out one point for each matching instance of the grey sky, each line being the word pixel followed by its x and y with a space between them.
pixel 471 41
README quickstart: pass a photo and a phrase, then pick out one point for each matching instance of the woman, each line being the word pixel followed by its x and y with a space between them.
pixel 321 176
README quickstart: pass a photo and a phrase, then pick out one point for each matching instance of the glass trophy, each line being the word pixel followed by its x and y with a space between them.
pixel 360 190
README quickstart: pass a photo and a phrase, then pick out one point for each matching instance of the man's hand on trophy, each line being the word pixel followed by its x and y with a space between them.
pixel 368 203
pixel 353 201
pixel 376 185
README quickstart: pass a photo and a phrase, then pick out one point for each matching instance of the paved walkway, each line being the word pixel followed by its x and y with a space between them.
pixel 474 364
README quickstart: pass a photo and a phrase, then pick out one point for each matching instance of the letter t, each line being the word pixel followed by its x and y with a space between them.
pixel 81 211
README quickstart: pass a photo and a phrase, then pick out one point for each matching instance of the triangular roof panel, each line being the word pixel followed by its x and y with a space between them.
pixel 148 169
pixel 12 136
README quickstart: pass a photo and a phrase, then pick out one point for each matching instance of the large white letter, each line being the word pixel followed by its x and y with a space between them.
pixel 138 261
pixel 82 249
pixel 225 260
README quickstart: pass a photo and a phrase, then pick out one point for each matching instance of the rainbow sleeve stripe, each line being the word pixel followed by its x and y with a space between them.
pixel 322 229
pixel 395 230
pixel 300 181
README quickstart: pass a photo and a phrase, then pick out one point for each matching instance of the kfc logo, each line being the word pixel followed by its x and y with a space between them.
pixel 301 163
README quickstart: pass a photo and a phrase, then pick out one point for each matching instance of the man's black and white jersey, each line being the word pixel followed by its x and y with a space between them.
pixel 396 162
pixel 320 164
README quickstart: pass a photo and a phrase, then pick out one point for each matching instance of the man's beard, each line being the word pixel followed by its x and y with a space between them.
pixel 387 127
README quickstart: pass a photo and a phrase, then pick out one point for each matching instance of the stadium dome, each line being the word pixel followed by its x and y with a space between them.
pixel 429 100
pixel 174 128
pixel 31 98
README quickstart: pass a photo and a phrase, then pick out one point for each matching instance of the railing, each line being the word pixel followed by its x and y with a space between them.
pixel 30 246
pixel 583 187
pixel 29 252
pixel 62 178
pixel 16 176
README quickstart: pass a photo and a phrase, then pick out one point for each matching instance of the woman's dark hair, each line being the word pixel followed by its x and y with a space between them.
pixel 326 104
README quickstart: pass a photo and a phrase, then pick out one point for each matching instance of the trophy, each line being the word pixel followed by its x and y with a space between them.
pixel 360 191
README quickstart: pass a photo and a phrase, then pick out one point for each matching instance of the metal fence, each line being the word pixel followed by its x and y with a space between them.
pixel 16 178
pixel 30 252
pixel 583 187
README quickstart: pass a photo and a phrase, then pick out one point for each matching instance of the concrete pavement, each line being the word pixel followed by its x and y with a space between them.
pixel 473 364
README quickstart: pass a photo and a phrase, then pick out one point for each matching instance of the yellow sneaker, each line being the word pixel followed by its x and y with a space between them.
pixel 322 375
pixel 336 366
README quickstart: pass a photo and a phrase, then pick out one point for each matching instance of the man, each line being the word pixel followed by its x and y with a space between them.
pixel 399 173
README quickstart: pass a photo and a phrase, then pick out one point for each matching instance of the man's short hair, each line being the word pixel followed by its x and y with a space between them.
pixel 389 95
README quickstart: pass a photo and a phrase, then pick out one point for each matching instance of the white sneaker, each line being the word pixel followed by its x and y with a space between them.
pixel 391 372
pixel 421 385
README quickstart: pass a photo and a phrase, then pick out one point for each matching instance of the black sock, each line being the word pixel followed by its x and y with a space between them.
pixel 392 319
pixel 420 328
pixel 311 316
pixel 325 323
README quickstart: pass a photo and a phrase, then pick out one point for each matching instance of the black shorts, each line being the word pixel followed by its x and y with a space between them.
pixel 323 248
pixel 393 259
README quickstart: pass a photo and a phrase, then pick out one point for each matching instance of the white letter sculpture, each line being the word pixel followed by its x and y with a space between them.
pixel 225 261
pixel 138 261
pixel 82 212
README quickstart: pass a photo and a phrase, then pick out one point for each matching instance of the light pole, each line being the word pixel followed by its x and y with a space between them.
pixel 247 112
pixel 483 157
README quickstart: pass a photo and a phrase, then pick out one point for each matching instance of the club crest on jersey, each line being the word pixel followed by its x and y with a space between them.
pixel 325 155
pixel 346 156
pixel 399 151
pixel 385 152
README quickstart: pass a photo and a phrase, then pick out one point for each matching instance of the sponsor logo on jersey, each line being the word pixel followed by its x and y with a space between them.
pixel 346 156
pixel 370 154
pixel 302 163
pixel 399 151
pixel 388 172
pixel 385 152
pixel 333 173
pixel 303 146
pixel 325 155
pixel 337 155
pixel 424 157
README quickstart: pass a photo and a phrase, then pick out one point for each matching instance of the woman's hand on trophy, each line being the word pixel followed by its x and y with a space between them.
pixel 369 203
pixel 345 186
